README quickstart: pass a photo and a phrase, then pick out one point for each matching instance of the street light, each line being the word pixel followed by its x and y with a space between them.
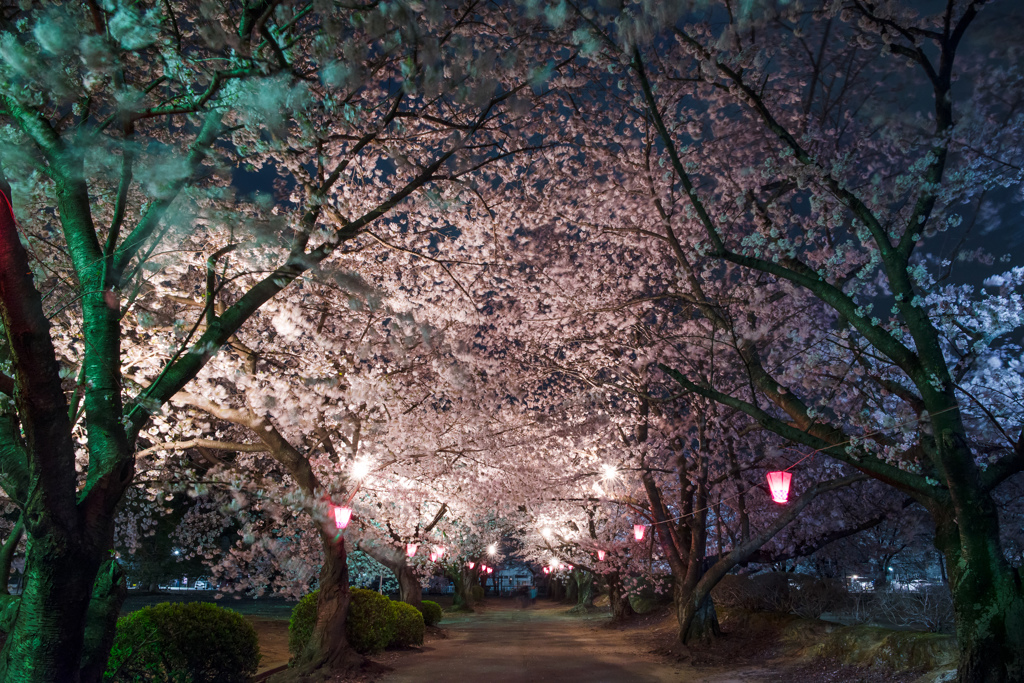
pixel 492 549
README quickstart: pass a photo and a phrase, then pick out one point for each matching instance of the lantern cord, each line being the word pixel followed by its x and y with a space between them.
pixel 809 455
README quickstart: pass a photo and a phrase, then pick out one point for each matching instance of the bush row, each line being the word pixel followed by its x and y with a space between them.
pixel 183 643
pixel 374 622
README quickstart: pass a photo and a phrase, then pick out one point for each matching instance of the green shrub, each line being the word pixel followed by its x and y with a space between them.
pixel 183 643
pixel 371 621
pixel 431 612
pixel 300 626
pixel 476 592
pixel 409 626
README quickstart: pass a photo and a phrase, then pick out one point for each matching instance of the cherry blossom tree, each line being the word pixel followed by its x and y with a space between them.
pixel 122 127
pixel 764 169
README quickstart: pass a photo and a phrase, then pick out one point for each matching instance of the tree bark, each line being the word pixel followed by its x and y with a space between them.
pixel 108 594
pixel 395 559
pixel 7 553
pixel 328 648
pixel 409 588
pixel 584 591
pixel 621 609
pixel 695 611
pixel 989 606
pixel 462 598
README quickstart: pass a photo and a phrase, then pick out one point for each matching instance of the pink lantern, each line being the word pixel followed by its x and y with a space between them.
pixel 638 531
pixel 600 556
pixel 569 566
pixel 433 557
pixel 471 564
pixel 490 570
pixel 439 549
pixel 483 567
pixel 547 570
pixel 778 482
pixel 410 549
pixel 342 515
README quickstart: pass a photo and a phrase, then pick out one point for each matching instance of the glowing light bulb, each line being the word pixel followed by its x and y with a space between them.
pixel 492 549
pixel 360 468
pixel 610 472
pixel 546 532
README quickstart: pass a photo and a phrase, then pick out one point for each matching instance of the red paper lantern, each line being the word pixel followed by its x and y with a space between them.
pixel 433 557
pixel 471 564
pixel 547 570
pixel 410 549
pixel 439 549
pixel 638 531
pixel 490 570
pixel 342 515
pixel 600 556
pixel 569 566
pixel 778 482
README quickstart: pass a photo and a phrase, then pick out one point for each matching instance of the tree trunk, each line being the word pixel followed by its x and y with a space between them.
pixel 556 590
pixel 328 648
pixel 695 611
pixel 462 598
pixel 572 589
pixel 395 559
pixel 108 594
pixel 988 602
pixel 409 588
pixel 584 591
pixel 621 609
pixel 7 553
pixel 45 643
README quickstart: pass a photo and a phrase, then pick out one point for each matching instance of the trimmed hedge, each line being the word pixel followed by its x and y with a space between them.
pixel 374 622
pixel 300 626
pixel 183 643
pixel 432 612
pixel 370 626
pixel 409 625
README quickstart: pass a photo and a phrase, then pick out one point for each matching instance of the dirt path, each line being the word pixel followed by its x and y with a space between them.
pixel 509 645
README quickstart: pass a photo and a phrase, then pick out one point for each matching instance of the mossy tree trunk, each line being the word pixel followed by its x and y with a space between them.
pixel 584 589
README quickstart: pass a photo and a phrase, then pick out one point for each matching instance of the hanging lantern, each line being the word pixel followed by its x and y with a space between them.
pixel 600 556
pixel 439 549
pixel 342 516
pixel 490 570
pixel 547 570
pixel 483 568
pixel 778 482
pixel 433 557
pixel 638 531
pixel 410 549
pixel 569 567
pixel 471 564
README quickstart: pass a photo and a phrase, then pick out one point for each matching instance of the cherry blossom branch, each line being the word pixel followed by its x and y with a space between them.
pixel 204 443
